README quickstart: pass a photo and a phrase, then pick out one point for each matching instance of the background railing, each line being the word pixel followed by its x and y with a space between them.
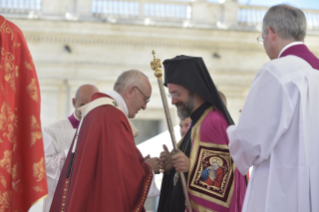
pixel 195 13
pixel 129 9
pixel 250 15
pixel 253 15
pixel 312 19
pixel 19 6
pixel 160 10
pixel 168 10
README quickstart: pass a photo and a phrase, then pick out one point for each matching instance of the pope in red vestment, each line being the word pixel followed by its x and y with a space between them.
pixel 109 172
pixel 22 167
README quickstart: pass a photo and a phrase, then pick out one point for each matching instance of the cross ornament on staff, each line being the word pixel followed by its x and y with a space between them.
pixel 156 65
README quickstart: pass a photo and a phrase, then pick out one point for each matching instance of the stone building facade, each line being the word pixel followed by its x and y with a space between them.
pixel 93 41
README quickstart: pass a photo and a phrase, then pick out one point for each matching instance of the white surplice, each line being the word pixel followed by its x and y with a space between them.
pixel 57 139
pixel 278 134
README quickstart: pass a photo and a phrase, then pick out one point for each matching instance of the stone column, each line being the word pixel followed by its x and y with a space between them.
pixel 58 7
pixel 53 100
pixel 200 12
pixel 84 8
pixel 142 10
pixel 50 7
pixel 206 13
pixel 230 11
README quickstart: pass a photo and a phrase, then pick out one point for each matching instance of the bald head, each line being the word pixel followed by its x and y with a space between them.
pixel 136 90
pixel 83 96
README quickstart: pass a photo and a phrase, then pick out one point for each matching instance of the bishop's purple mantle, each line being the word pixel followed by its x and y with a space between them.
pixel 303 52
pixel 75 123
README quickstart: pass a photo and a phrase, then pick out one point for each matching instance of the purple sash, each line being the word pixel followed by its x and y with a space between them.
pixel 75 123
pixel 303 52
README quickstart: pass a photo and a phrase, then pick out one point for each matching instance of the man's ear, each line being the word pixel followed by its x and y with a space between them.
pixel 73 102
pixel 129 91
pixel 271 33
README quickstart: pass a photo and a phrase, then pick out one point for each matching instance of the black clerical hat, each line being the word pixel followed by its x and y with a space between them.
pixel 192 73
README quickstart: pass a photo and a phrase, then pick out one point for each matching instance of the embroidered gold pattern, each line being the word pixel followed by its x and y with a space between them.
pixel 5 162
pixel 200 208
pixel 15 171
pixel 146 188
pixel 202 155
pixel 2 89
pixel 38 189
pixel 28 65
pixel 9 130
pixel 208 156
pixel 33 90
pixel 65 192
pixel 4 201
pixel 8 122
pixel 10 70
pixel 15 45
pixel 35 130
pixel 39 170
pixel 3 181
pixel 7 29
pixel 3 24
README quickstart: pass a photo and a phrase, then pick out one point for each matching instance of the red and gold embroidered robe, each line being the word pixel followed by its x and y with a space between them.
pixel 22 166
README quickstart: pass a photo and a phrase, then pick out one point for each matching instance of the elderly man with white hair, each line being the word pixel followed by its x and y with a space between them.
pixel 105 171
pixel 277 132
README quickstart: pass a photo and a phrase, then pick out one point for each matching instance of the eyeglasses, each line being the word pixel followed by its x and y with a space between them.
pixel 260 39
pixel 175 95
pixel 146 97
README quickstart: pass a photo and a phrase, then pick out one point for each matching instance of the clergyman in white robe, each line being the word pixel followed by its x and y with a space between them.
pixel 278 134
pixel 57 139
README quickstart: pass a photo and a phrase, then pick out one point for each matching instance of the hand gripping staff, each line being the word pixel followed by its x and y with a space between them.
pixel 155 65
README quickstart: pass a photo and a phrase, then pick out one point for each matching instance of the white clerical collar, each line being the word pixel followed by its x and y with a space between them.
pixel 76 117
pixel 289 45
pixel 117 97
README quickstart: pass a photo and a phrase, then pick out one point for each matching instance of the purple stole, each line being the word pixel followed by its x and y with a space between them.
pixel 303 52
pixel 74 122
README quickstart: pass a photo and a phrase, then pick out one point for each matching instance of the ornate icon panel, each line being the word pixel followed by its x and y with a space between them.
pixel 213 175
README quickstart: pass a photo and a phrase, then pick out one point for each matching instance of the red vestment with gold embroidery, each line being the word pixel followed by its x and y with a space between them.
pixel 22 166
pixel 109 172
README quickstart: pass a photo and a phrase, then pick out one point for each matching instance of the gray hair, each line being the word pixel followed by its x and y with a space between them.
pixel 289 22
pixel 128 78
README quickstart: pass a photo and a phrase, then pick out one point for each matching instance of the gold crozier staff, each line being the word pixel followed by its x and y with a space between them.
pixel 156 65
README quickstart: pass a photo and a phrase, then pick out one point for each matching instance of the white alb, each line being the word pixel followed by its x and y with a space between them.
pixel 57 139
pixel 278 134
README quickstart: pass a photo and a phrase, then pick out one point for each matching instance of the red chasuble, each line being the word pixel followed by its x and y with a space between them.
pixel 22 167
pixel 109 172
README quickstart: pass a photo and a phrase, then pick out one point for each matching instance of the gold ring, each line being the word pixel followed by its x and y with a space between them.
pixel 159 166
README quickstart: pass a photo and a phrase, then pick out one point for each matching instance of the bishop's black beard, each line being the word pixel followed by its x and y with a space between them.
pixel 186 108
